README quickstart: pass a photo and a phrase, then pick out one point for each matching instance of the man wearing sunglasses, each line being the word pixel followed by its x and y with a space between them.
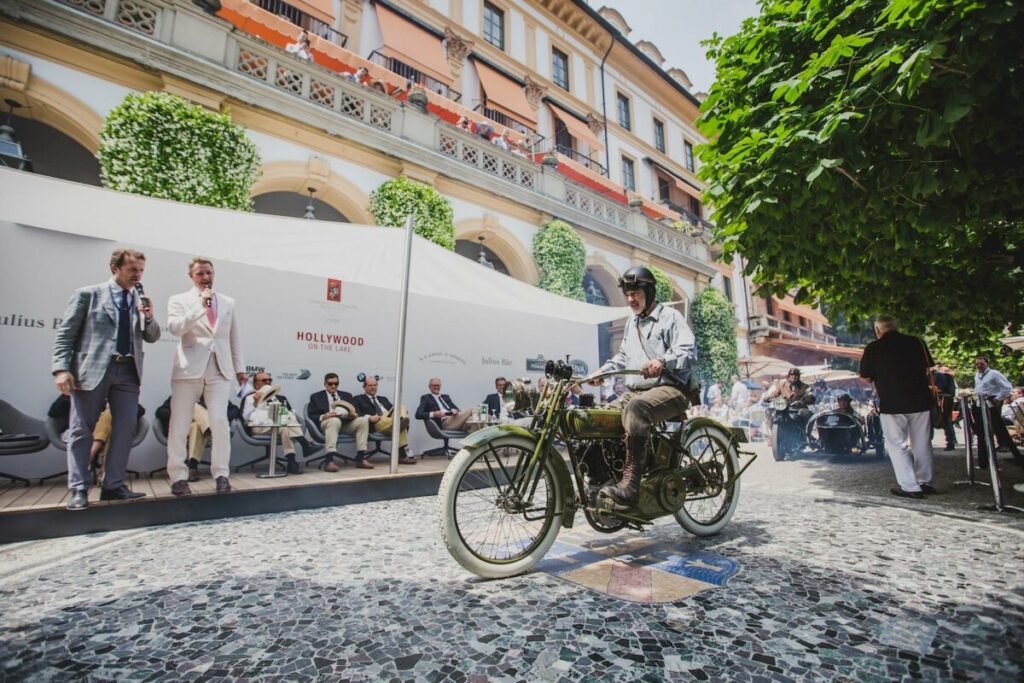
pixel 334 410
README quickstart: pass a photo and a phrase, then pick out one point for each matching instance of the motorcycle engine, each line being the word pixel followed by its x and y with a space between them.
pixel 601 463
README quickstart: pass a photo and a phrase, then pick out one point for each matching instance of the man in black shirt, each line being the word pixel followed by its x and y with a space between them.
pixel 898 365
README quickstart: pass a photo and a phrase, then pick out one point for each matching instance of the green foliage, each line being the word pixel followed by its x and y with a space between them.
pixel 662 286
pixel 160 145
pixel 959 354
pixel 861 151
pixel 715 335
pixel 433 218
pixel 561 258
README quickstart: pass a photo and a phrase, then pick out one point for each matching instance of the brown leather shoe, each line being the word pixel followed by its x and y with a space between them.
pixel 363 465
pixel 223 485
pixel 330 467
pixel 180 488
pixel 407 461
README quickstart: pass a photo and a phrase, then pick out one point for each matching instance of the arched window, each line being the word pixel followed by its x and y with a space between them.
pixel 293 205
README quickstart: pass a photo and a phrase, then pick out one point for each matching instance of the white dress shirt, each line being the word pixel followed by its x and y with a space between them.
pixel 992 384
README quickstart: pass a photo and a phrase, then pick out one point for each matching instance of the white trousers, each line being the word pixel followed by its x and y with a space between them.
pixel 184 394
pixel 911 463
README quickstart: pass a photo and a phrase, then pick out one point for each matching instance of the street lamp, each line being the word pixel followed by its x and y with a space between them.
pixel 482 260
pixel 310 214
pixel 11 153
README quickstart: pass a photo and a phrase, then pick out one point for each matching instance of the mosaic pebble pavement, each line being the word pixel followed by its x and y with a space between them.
pixel 823 590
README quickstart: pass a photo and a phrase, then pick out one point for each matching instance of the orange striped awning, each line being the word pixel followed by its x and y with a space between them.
pixel 320 9
pixel 578 129
pixel 505 95
pixel 413 45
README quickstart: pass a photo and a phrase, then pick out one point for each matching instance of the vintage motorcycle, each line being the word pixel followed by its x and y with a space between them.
pixel 509 490
pixel 836 432
pixel 788 437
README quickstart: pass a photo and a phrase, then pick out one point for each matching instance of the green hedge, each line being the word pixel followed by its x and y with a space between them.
pixel 561 258
pixel 161 145
pixel 433 218
pixel 714 330
pixel 662 285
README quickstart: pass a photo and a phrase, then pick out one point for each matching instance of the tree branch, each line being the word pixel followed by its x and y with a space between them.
pixel 852 179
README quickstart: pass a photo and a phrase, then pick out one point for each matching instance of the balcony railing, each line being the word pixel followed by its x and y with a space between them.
pixel 303 20
pixel 583 159
pixel 761 323
pixel 486 156
pixel 415 75
pixel 507 121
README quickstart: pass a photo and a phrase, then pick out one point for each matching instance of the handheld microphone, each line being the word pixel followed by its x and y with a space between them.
pixel 143 299
pixel 208 302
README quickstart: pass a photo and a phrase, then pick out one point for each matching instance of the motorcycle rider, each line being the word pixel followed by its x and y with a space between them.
pixel 794 391
pixel 654 343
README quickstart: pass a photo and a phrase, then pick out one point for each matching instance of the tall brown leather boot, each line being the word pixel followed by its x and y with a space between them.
pixel 626 493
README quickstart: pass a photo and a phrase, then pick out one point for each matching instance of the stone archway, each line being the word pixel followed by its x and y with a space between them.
pixel 331 189
pixel 44 102
pixel 505 245
pixel 607 278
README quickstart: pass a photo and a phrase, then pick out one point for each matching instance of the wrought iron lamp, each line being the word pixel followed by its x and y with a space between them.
pixel 482 259
pixel 310 214
pixel 11 153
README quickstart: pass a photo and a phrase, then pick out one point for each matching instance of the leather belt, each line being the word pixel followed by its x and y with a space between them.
pixel 118 358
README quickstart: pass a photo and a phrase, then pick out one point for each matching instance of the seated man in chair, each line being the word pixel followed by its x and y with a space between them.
pixel 380 414
pixel 441 408
pixel 336 413
pixel 288 435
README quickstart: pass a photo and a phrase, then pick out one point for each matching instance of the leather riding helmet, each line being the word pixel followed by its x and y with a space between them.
pixel 639 277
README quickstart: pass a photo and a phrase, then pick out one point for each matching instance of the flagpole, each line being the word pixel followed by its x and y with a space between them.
pixel 396 424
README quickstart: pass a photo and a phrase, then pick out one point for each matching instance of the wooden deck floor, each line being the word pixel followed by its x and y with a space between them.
pixel 16 497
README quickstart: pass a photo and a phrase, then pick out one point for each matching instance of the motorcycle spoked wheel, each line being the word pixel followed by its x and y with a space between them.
pixel 709 513
pixel 484 527
pixel 778 444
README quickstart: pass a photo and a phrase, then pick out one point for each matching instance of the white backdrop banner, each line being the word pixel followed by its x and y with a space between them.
pixel 296 326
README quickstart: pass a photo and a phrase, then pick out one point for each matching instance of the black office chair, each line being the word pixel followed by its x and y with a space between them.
pixel 445 435
pixel 55 431
pixel 258 440
pixel 21 434
pixel 316 435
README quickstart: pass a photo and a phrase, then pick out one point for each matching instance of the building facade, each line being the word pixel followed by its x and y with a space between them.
pixel 603 130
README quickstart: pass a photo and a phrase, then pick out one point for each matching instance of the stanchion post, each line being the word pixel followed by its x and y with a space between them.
pixel 993 468
pixel 396 425
pixel 966 415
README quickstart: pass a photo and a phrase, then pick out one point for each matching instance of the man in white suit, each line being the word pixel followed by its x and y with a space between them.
pixel 207 358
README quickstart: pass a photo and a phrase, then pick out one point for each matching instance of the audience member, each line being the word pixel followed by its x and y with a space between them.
pixel 301 47
pixel 256 418
pixel 441 408
pixel 466 125
pixel 898 365
pixel 486 131
pixel 97 359
pixel 739 394
pixel 992 388
pixel 380 414
pixel 336 413
pixel 946 388
pixel 618 390
pixel 714 391
pixel 503 140
pixel 209 355
pixel 360 75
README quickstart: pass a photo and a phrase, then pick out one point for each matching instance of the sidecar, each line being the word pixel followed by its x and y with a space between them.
pixel 835 432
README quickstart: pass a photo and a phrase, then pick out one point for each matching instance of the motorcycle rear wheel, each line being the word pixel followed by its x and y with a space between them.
pixel 777 444
pixel 482 524
pixel 708 515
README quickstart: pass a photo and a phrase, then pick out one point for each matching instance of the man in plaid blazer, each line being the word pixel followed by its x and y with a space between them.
pixel 97 359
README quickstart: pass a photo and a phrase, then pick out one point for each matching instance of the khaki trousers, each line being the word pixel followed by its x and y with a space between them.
pixel 333 426
pixel 383 426
pixel 197 432
pixel 457 421
pixel 642 410
pixel 284 435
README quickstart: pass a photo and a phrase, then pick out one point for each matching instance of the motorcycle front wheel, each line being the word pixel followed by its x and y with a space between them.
pixel 487 527
pixel 706 512
pixel 778 444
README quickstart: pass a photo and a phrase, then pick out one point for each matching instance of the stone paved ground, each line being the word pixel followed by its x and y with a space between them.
pixel 834 584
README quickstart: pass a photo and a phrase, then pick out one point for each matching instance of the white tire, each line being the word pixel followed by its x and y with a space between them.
pixel 708 517
pixel 461 479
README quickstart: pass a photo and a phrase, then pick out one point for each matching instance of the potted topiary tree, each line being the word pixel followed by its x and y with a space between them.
pixel 561 258
pixel 432 213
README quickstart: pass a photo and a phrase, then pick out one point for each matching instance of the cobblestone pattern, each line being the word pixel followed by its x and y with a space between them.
pixel 827 591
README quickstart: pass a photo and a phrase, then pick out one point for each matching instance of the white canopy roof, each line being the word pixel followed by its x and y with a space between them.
pixel 369 255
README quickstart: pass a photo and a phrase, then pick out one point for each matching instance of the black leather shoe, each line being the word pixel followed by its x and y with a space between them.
pixel 120 493
pixel 928 489
pixel 193 470
pixel 79 500
pixel 293 467
pixel 223 485
pixel 897 491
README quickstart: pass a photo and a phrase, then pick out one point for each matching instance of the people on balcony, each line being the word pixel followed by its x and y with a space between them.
pixel 301 47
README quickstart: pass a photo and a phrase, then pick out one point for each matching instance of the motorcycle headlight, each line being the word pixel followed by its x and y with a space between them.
pixel 779 403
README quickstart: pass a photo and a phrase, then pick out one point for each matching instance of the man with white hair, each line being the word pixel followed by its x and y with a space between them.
pixel 898 364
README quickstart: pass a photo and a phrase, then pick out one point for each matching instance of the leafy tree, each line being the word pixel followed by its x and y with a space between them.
pixel 959 354
pixel 662 285
pixel 715 336
pixel 433 218
pixel 868 151
pixel 161 145
pixel 561 257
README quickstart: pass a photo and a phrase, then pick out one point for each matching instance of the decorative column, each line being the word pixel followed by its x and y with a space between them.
pixel 458 49
pixel 351 16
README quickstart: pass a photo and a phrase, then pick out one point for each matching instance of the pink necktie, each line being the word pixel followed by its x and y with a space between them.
pixel 211 314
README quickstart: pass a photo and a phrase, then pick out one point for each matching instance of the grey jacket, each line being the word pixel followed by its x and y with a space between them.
pixel 87 336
